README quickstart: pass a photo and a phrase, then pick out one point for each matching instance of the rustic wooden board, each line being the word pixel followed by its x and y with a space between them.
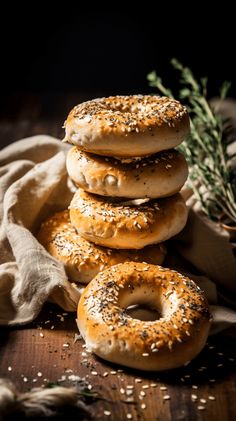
pixel 46 350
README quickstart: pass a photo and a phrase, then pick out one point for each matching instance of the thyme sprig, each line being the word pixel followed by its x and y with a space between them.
pixel 206 147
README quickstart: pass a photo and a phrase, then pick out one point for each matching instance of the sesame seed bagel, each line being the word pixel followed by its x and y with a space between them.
pixel 159 175
pixel 169 342
pixel 127 126
pixel 117 223
pixel 84 260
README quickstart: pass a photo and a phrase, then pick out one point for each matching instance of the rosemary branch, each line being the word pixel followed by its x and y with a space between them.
pixel 206 148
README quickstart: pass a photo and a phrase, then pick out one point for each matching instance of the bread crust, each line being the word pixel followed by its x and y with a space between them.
pixel 127 126
pixel 82 259
pixel 156 176
pixel 169 342
pixel 118 223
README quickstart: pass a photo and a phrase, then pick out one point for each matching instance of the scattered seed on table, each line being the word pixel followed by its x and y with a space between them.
pixel 211 398
pixel 203 401
pixel 107 413
pixel 94 373
pixel 166 397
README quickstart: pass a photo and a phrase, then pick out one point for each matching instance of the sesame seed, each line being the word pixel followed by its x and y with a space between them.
pixel 122 391
pixel 107 413
pixel 129 416
pixel 194 397
pixel 143 406
pixel 166 397
pixel 203 401
pixel 66 345
pixel 105 374
pixel 39 374
pixel 194 386
pixel 25 379
pixel 163 388
pixel 212 380
pixel 41 334
pixel 129 386
pixel 113 372
pixel 145 386
pixel 142 393
pixel 201 407
pixel 211 398
pixel 129 392
pixel 94 373
pixel 153 384
pixel 145 354
pixel 9 368
pixel 138 380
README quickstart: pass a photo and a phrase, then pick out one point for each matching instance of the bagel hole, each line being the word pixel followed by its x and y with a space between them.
pixel 143 312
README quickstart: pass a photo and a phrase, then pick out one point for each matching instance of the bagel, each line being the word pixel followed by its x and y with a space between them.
pixel 169 342
pixel 157 176
pixel 84 260
pixel 127 126
pixel 118 224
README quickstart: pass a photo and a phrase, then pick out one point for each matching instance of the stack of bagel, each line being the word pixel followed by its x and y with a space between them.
pixel 127 203
pixel 128 177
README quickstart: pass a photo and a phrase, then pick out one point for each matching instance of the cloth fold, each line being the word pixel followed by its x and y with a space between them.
pixel 33 185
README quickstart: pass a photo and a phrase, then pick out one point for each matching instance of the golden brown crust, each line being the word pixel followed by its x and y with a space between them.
pixel 127 126
pixel 156 176
pixel 82 259
pixel 175 338
pixel 122 224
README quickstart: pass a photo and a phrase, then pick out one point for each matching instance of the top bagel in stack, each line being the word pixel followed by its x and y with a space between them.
pixel 127 126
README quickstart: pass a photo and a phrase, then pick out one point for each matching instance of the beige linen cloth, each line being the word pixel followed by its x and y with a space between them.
pixel 33 185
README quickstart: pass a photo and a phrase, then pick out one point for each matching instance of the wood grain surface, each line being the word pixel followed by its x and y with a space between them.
pixel 50 351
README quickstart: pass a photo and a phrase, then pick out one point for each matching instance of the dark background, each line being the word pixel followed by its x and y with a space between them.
pixel 86 51
pixel 112 50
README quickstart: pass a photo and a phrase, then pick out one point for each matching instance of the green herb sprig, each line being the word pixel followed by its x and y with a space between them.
pixel 206 147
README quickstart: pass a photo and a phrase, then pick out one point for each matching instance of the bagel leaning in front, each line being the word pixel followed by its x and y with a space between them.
pixel 169 342
pixel 127 126
pixel 156 176
pixel 121 224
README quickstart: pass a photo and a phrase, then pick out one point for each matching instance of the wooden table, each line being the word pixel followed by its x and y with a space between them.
pixel 49 350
